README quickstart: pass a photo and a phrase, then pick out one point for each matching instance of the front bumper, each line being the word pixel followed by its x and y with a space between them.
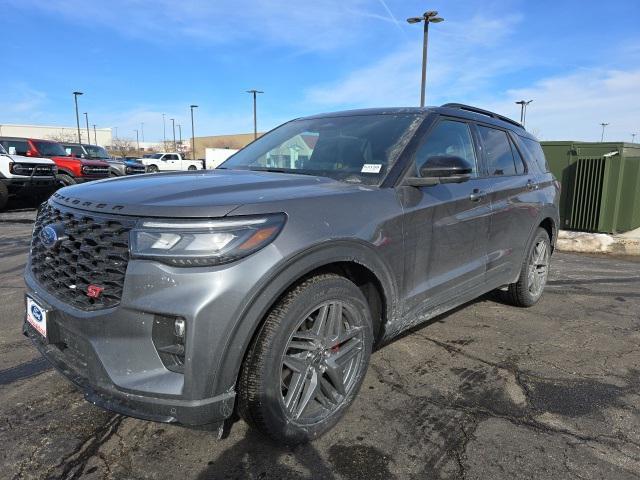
pixel 111 355
pixel 17 185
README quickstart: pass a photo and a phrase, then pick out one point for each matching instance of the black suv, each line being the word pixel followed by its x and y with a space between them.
pixel 262 286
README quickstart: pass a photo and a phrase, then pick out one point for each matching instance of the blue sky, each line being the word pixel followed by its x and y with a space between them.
pixel 579 60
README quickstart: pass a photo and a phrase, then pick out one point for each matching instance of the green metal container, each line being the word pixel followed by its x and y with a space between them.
pixel 600 184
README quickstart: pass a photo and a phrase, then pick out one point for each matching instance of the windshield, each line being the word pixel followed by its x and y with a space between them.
pixel 156 155
pixel 50 149
pixel 355 149
pixel 95 151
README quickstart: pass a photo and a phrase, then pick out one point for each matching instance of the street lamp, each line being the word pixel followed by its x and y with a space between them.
pixel 180 133
pixel 137 141
pixel 633 138
pixel 255 120
pixel 523 110
pixel 173 126
pixel 427 18
pixel 142 131
pixel 86 116
pixel 75 98
pixel 193 135
pixel 602 136
pixel 95 135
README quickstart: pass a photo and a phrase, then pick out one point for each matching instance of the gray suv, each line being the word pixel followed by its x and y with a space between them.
pixel 260 288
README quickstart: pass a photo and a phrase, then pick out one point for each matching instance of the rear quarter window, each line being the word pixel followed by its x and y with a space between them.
pixel 534 152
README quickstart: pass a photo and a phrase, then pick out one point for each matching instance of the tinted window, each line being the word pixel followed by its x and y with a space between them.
pixel 74 150
pixel 497 151
pixel 50 149
pixel 170 157
pixel 520 168
pixel 95 151
pixel 21 146
pixel 354 149
pixel 534 151
pixel 447 138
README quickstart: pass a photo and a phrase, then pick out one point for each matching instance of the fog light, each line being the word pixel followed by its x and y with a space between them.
pixel 179 327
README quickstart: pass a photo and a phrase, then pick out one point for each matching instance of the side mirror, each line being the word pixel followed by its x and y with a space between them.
pixel 441 169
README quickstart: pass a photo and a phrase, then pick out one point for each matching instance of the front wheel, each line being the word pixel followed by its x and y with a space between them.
pixel 534 272
pixel 152 169
pixel 308 361
pixel 65 180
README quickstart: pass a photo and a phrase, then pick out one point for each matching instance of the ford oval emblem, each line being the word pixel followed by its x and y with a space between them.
pixel 36 313
pixel 51 235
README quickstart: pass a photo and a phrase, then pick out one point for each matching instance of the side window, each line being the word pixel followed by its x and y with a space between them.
pixel 20 146
pixel 170 157
pixel 497 151
pixel 449 137
pixel 534 151
pixel 520 168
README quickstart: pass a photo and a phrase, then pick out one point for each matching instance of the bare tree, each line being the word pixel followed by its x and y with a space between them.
pixel 63 136
pixel 123 147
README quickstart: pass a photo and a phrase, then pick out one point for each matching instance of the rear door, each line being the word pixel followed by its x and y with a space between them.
pixel 446 226
pixel 514 208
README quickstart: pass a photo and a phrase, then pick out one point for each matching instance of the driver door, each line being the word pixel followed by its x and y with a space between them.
pixel 447 225
pixel 171 162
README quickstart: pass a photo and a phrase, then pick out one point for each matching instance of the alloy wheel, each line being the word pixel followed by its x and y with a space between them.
pixel 538 268
pixel 321 361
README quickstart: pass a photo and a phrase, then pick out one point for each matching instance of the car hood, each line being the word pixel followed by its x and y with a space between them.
pixel 213 193
pixel 23 159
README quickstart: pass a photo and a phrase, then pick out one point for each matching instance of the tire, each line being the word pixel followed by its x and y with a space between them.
pixel 288 353
pixel 4 196
pixel 534 272
pixel 152 169
pixel 65 180
pixel 192 167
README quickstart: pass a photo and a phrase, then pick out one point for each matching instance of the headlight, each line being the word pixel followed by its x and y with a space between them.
pixel 85 169
pixel 54 169
pixel 12 166
pixel 127 170
pixel 191 243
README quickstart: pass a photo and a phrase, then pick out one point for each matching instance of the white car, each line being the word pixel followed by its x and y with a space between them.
pixel 27 176
pixel 168 161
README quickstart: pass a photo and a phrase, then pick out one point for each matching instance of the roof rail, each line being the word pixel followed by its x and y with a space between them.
pixel 469 108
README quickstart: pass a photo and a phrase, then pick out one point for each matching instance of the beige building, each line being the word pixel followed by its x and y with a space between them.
pixel 234 141
pixel 101 136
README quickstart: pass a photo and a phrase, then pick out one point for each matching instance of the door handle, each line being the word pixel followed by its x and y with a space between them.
pixel 477 195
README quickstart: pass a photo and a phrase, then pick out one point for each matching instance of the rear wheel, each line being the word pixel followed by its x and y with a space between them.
pixel 4 196
pixel 152 169
pixel 192 167
pixel 308 361
pixel 534 272
pixel 65 180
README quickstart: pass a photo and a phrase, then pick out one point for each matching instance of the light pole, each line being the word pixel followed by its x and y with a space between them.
pixel 602 136
pixel 255 120
pixel 173 126
pixel 427 18
pixel 142 131
pixel 193 134
pixel 95 135
pixel 86 116
pixel 180 133
pixel 633 138
pixel 137 141
pixel 116 128
pixel 523 110
pixel 75 98
pixel 164 133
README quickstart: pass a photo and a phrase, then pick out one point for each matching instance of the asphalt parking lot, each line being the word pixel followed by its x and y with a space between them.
pixel 487 391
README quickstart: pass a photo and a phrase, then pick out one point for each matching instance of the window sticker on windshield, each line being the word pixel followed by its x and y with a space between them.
pixel 371 168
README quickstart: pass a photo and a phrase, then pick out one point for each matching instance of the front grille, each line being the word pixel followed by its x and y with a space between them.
pixel 93 251
pixel 27 169
pixel 87 170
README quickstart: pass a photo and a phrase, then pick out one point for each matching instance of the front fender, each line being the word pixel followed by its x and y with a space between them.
pixel 277 281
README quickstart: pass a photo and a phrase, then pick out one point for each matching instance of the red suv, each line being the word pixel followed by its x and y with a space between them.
pixel 71 170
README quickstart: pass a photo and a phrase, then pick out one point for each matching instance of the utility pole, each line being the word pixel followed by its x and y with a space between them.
pixel 427 18
pixel 255 120
pixel 137 141
pixel 75 98
pixel 142 131
pixel 180 133
pixel 602 136
pixel 116 128
pixel 523 110
pixel 193 134
pixel 95 135
pixel 633 138
pixel 173 125
pixel 164 133
pixel 86 116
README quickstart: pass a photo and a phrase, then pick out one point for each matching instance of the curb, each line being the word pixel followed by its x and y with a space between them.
pixel 597 243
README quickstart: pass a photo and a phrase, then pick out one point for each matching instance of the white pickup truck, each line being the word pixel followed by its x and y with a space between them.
pixel 167 161
pixel 27 176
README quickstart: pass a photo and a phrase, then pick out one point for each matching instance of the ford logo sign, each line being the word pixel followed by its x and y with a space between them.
pixel 36 313
pixel 51 235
